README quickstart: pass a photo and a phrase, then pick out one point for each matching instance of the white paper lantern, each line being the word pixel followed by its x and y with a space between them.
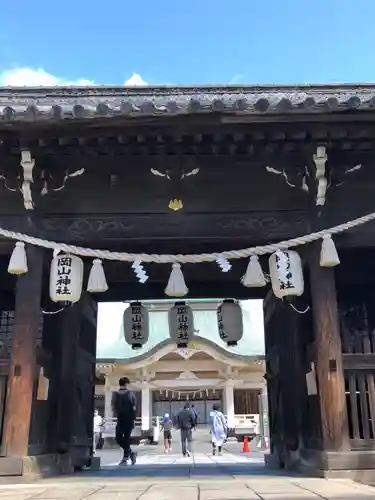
pixel 136 325
pixel 66 278
pixel 181 324
pixel 286 274
pixel 230 322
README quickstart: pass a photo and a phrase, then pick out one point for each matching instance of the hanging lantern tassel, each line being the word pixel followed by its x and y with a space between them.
pixel 176 286
pixel 18 260
pixel 328 253
pixel 97 282
pixel 254 276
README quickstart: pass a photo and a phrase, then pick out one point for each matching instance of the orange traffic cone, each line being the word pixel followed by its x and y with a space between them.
pixel 246 448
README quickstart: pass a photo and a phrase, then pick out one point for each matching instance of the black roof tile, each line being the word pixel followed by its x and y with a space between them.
pixel 57 103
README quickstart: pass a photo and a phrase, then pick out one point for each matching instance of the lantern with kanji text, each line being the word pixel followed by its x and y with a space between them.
pixel 286 274
pixel 181 324
pixel 230 322
pixel 66 278
pixel 136 325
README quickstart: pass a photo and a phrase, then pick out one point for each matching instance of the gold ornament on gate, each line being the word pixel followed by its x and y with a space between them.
pixel 175 204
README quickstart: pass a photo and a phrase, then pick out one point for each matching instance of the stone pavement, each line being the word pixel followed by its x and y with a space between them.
pixel 203 477
pixel 198 458
pixel 243 488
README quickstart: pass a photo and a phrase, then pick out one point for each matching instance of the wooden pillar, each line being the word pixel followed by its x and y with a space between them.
pixel 68 332
pixel 21 378
pixel 328 355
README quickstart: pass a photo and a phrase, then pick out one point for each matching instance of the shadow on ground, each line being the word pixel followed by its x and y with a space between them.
pixel 185 471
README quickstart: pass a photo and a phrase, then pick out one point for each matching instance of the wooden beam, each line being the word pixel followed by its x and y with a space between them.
pixel 23 357
pixel 359 362
pixel 155 290
pixel 329 361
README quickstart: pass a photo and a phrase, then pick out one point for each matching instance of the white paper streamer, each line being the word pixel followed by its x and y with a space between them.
pixel 139 271
pixel 224 264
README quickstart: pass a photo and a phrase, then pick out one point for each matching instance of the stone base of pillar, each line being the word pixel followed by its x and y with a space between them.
pixel 41 466
pixel 356 465
pixel 36 467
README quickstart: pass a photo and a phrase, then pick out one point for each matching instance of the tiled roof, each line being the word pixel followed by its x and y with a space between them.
pixel 33 104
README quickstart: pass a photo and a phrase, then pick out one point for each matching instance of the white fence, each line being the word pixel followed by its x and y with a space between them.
pixel 250 423
pixel 109 426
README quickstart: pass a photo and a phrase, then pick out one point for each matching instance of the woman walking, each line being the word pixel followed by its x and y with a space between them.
pixel 167 426
pixel 219 429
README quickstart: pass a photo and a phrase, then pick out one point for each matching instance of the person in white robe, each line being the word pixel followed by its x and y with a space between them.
pixel 219 429
pixel 98 424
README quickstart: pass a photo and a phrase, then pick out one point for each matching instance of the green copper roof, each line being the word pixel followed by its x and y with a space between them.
pixel 112 346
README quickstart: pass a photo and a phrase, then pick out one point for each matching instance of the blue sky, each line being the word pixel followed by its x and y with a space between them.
pixel 192 42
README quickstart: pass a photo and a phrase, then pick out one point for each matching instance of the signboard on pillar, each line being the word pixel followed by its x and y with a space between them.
pixel 43 386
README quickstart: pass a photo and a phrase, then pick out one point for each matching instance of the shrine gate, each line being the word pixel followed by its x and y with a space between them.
pixel 179 170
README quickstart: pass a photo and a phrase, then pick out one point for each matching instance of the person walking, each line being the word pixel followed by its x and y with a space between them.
pixel 219 429
pixel 124 408
pixel 257 432
pixel 195 417
pixel 167 426
pixel 185 422
pixel 97 428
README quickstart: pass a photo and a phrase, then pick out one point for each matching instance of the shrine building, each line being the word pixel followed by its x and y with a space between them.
pixel 164 376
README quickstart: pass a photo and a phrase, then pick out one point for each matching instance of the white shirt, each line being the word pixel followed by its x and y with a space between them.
pixel 98 421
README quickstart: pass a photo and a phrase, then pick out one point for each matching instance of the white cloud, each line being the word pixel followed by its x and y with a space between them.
pixel 30 77
pixel 20 77
pixel 236 79
pixel 135 81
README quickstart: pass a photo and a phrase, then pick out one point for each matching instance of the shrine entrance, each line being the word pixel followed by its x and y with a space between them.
pixel 187 181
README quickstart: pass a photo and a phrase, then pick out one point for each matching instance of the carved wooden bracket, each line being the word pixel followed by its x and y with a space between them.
pixel 31 181
pixel 27 164
pixel 314 178
pixel 320 159
pixel 175 176
pixel 293 177
pixel 56 184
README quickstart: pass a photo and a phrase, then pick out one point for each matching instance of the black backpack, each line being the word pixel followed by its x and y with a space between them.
pixel 122 404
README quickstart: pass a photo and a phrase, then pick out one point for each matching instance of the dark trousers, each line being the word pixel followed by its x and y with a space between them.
pixel 123 432
pixel 186 439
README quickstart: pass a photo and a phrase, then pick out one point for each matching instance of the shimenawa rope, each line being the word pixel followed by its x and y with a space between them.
pixel 188 258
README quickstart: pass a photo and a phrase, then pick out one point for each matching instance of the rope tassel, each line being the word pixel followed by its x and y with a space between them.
pixel 176 286
pixel 254 276
pixel 328 253
pixel 97 282
pixel 18 260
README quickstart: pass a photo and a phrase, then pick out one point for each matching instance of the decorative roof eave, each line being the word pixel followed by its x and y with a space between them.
pixel 159 346
pixel 82 103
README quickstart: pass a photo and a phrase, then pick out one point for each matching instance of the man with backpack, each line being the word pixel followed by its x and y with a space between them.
pixel 195 417
pixel 124 408
pixel 185 422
